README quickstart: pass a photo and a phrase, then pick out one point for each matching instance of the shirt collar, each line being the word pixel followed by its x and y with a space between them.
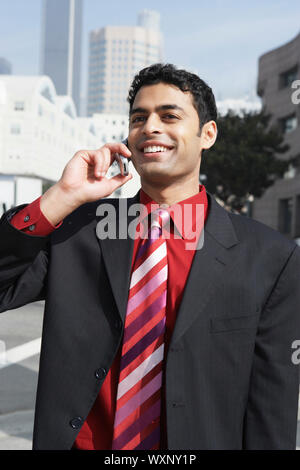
pixel 193 210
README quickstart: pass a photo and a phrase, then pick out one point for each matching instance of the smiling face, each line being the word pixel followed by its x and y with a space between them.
pixel 164 135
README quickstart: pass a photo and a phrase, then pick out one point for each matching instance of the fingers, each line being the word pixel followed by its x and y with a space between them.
pixel 118 147
pixel 105 156
pixel 118 181
pixel 102 158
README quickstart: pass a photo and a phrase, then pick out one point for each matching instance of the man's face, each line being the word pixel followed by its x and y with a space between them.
pixel 164 116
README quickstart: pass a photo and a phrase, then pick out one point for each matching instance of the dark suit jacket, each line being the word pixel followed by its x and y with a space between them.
pixel 230 380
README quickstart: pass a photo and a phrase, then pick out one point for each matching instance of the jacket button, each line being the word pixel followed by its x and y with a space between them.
pixel 177 404
pixel 100 373
pixel 76 423
pixel 26 218
pixel 31 228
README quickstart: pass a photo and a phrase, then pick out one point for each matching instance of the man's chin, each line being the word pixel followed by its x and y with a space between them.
pixel 157 175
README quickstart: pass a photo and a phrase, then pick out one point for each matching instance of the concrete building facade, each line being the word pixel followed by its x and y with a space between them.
pixel 279 69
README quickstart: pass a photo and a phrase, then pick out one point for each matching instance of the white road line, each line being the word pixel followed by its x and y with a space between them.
pixel 19 353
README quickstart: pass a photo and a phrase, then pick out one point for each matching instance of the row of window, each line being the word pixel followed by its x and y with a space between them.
pixel 103 42
pixel 97 70
pixel 16 129
pixel 44 137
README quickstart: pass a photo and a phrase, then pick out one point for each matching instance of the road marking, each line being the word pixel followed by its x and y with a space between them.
pixel 19 353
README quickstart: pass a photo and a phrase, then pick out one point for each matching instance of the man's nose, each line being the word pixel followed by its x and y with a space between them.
pixel 152 124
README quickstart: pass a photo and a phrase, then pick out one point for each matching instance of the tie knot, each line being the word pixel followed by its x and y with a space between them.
pixel 159 218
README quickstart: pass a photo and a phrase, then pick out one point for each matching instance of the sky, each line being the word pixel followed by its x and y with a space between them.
pixel 220 40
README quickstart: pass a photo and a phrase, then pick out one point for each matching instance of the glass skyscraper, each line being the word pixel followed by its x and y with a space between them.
pixel 61 46
pixel 5 67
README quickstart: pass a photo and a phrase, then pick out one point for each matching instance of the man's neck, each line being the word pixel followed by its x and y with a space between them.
pixel 171 194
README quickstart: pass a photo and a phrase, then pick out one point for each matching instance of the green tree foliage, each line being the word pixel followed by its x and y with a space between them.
pixel 244 159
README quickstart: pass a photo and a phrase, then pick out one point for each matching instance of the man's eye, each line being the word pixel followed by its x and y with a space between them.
pixel 138 118
pixel 170 116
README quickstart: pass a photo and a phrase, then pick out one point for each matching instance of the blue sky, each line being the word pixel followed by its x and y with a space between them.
pixel 220 40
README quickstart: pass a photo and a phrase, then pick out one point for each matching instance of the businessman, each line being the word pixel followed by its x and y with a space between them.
pixel 147 343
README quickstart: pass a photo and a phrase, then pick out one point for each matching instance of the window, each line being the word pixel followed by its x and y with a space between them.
pixel 289 123
pixel 19 106
pixel 287 78
pixel 15 129
pixel 285 215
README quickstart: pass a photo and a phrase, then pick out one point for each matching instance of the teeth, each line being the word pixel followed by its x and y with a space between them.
pixel 155 148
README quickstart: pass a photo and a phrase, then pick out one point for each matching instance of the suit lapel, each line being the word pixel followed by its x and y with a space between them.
pixel 207 268
pixel 117 253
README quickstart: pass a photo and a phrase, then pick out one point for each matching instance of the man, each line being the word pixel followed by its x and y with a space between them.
pixel 225 379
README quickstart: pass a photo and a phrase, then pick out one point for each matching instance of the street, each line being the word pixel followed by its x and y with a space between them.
pixel 20 334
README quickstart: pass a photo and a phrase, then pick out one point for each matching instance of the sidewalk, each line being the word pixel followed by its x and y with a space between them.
pixel 16 431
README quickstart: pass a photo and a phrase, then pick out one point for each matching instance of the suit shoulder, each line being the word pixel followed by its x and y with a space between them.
pixel 260 233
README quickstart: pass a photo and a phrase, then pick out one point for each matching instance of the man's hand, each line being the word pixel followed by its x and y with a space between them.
pixel 83 180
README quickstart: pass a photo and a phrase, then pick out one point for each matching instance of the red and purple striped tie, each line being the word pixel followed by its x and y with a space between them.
pixel 137 418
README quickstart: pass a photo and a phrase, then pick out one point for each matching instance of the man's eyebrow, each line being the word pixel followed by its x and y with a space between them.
pixel 163 107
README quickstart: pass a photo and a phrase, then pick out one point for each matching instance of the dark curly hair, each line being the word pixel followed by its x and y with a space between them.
pixel 204 100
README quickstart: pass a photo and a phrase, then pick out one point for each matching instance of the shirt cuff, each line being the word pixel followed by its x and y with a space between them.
pixel 32 221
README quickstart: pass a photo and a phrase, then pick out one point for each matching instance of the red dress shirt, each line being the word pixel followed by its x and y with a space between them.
pixel 97 430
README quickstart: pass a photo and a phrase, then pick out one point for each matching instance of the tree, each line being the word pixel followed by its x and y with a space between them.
pixel 244 161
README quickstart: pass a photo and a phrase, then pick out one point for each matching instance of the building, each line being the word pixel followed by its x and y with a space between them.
pixel 61 46
pixel 149 19
pixel 116 54
pixel 40 132
pixel 5 67
pixel 279 207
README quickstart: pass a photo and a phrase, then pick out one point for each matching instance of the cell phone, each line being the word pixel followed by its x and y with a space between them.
pixel 123 161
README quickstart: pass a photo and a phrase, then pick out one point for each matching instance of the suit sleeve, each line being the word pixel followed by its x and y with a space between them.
pixel 23 264
pixel 271 412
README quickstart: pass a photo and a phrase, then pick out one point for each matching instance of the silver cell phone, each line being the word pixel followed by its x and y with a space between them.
pixel 123 161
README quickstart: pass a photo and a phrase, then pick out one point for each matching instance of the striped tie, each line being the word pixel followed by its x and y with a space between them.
pixel 137 418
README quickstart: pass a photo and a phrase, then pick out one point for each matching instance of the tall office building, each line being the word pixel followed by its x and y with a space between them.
pixel 5 67
pixel 149 19
pixel 116 54
pixel 61 46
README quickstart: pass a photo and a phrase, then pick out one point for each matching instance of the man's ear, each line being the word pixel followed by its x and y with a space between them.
pixel 208 134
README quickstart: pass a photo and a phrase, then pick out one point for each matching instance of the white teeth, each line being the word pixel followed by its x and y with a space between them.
pixel 155 148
